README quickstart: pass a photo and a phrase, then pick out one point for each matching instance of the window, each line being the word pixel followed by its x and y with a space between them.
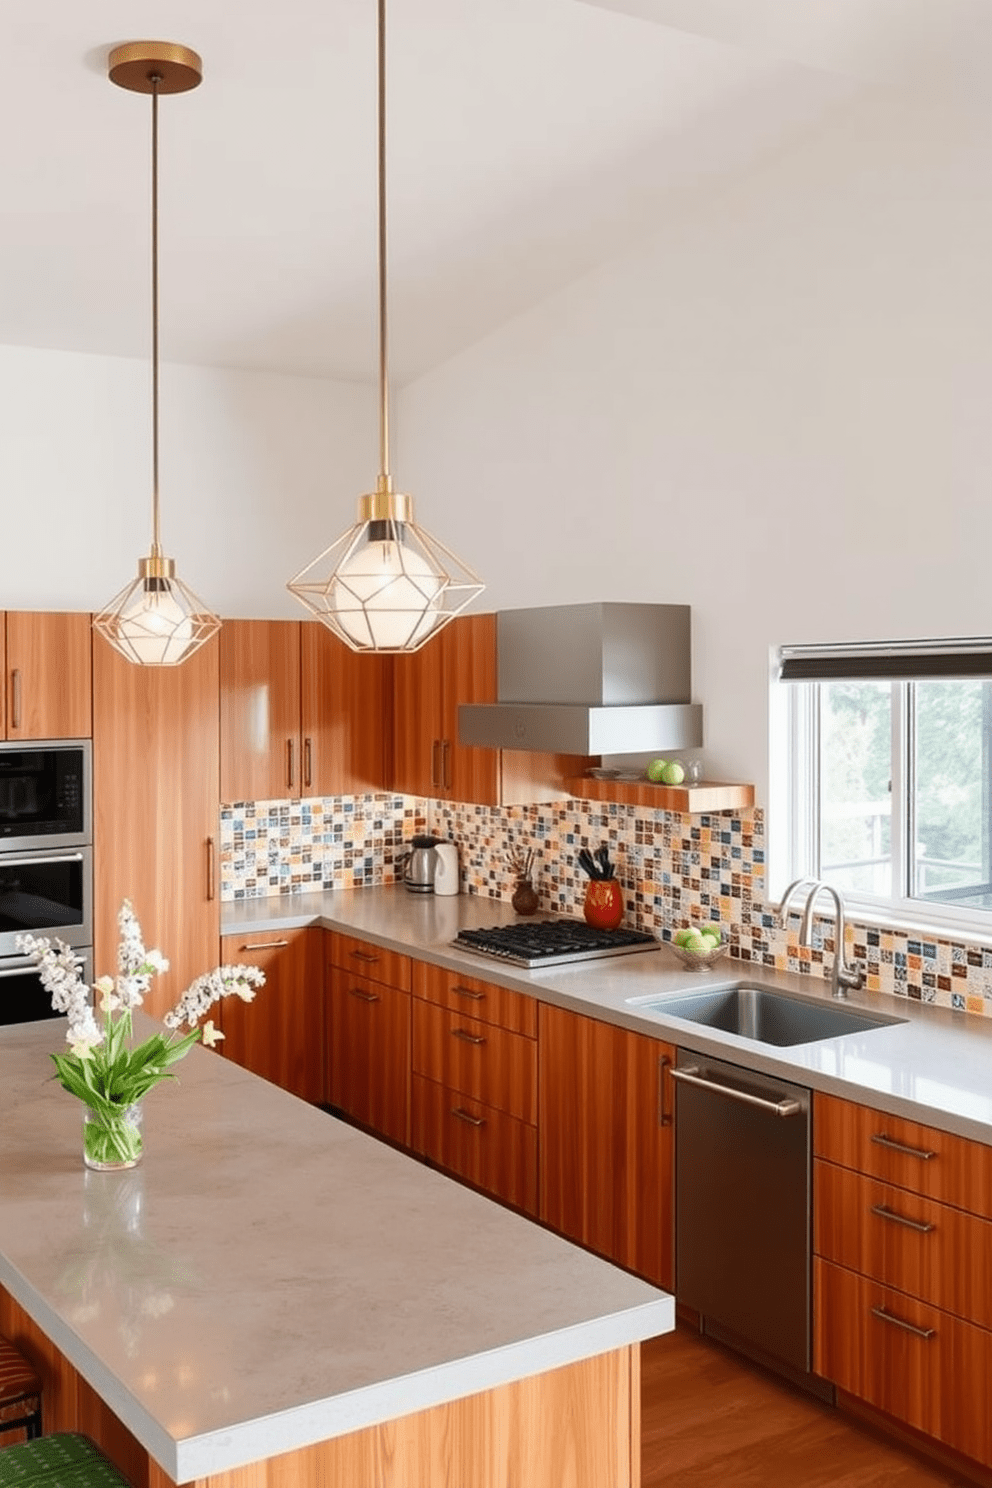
pixel 889 777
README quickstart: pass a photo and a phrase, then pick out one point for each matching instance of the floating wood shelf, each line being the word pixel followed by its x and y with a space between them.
pixel 708 795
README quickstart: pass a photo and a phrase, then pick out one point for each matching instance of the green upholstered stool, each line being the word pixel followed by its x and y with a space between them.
pixel 20 1392
pixel 62 1460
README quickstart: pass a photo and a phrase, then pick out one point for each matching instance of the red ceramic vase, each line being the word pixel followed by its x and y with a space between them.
pixel 604 903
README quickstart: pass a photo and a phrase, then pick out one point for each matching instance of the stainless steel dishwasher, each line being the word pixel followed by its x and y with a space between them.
pixel 742 1207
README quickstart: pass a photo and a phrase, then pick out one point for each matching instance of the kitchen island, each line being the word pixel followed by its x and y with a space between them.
pixel 273 1294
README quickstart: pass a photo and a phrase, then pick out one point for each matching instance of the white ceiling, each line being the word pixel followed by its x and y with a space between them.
pixel 528 140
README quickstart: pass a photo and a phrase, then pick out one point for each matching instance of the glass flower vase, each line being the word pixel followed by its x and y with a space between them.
pixel 114 1141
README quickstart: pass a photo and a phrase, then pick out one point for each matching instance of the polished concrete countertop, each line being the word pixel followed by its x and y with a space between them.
pixel 268 1276
pixel 936 1066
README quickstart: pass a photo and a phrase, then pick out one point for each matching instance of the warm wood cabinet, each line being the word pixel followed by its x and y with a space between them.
pixel 155 811
pixel 301 715
pixel 280 1035
pixel 459 666
pixel 368 1035
pixel 607 1141
pixel 47 690
pixel 902 1279
pixel 475 1081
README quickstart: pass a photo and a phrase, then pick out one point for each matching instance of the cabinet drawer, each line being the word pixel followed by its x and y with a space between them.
pixel 476 1059
pixel 906 1153
pixel 486 1147
pixel 368 1059
pixel 351 953
pixel 476 999
pixel 930 1250
pixel 935 1379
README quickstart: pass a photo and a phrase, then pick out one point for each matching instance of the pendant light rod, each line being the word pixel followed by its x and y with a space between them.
pixel 155 79
pixel 383 317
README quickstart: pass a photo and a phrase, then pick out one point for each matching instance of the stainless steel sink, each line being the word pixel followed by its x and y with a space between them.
pixel 767 1016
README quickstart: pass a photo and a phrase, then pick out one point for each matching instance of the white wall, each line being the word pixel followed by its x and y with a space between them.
pixel 258 474
pixel 778 412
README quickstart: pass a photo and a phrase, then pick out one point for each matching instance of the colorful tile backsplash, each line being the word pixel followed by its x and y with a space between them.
pixel 673 869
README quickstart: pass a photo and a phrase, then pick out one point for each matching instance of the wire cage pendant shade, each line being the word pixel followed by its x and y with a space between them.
pixel 156 620
pixel 386 584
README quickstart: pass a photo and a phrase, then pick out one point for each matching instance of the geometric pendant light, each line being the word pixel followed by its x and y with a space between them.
pixel 156 620
pixel 385 584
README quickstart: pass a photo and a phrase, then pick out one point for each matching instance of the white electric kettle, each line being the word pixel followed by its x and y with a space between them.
pixel 447 876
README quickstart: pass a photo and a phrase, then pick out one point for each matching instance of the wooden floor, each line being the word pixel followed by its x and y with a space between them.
pixel 712 1420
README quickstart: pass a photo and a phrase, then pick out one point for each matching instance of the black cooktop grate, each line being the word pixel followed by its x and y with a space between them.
pixel 552 942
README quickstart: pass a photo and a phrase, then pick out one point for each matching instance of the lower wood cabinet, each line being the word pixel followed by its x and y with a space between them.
pixel 607 1141
pixel 280 1035
pixel 368 1035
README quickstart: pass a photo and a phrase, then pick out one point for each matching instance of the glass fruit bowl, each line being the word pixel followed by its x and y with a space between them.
pixel 699 960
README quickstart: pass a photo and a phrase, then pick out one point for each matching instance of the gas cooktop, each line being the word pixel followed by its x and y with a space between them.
pixel 553 942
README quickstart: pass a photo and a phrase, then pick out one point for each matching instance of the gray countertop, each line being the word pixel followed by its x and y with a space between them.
pixel 268 1276
pixel 934 1067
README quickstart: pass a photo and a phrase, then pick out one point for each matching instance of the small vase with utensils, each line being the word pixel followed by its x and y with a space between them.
pixel 524 899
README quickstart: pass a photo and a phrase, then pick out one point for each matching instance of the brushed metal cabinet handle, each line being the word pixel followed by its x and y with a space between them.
pixel 308 762
pixel 921 1227
pixel 466 1037
pixel 776 1108
pixel 923 1153
pixel 435 757
pixel 364 956
pixel 898 1322
pixel 211 869
pixel 445 764
pixel 664 1113
pixel 15 698
pixel 363 996
pixel 467 1116
pixel 264 945
pixel 289 763
pixel 468 992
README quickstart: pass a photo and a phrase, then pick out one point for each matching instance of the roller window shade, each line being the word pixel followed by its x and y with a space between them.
pixel 891 661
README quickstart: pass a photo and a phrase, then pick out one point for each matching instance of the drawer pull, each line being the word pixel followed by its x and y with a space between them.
pixel 364 956
pixel 923 1153
pixel 264 945
pixel 467 1116
pixel 466 1037
pixel 467 992
pixel 921 1227
pixel 364 996
pixel 898 1322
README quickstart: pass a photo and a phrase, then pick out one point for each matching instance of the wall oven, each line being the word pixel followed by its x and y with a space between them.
pixel 46 893
pixel 45 795
pixel 22 997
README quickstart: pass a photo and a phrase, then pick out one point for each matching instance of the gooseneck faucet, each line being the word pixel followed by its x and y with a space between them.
pixel 843 977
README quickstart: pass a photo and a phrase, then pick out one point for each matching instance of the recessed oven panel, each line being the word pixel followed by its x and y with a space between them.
pixel 45 793
pixel 47 894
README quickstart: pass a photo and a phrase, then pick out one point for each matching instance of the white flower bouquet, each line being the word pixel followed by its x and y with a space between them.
pixel 101 1068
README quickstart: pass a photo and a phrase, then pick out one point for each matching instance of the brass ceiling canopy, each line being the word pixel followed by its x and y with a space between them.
pixel 155 66
pixel 156 620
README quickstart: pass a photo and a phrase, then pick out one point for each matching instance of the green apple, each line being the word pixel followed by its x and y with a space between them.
pixel 673 773
pixel 696 942
pixel 656 770
pixel 682 936
pixel 712 941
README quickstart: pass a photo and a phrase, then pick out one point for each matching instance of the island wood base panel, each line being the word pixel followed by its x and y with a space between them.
pixel 575 1427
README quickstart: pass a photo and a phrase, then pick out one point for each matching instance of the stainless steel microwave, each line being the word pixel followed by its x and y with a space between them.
pixel 45 795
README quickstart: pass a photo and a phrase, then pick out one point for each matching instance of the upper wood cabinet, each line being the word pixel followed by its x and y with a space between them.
pixel 280 1034
pixel 607 1141
pixel 300 714
pixel 459 666
pixel 47 676
pixel 156 770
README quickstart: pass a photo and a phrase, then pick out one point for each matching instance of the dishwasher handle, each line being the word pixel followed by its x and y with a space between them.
pixel 690 1074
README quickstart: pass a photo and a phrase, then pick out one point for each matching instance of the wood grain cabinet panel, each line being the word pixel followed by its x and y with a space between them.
pixel 477 999
pixel 260 710
pixel 931 1251
pixel 49 678
pixel 156 770
pixel 935 1164
pixel 369 1053
pixel 476 1059
pixel 378 963
pixel 484 1146
pixel 606 1141
pixel 458 667
pixel 914 1362
pixel 346 716
pixel 280 1035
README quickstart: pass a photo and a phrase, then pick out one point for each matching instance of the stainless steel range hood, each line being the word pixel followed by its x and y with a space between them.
pixel 590 679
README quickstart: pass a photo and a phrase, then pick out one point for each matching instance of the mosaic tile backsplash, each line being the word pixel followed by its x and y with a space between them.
pixel 673 869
